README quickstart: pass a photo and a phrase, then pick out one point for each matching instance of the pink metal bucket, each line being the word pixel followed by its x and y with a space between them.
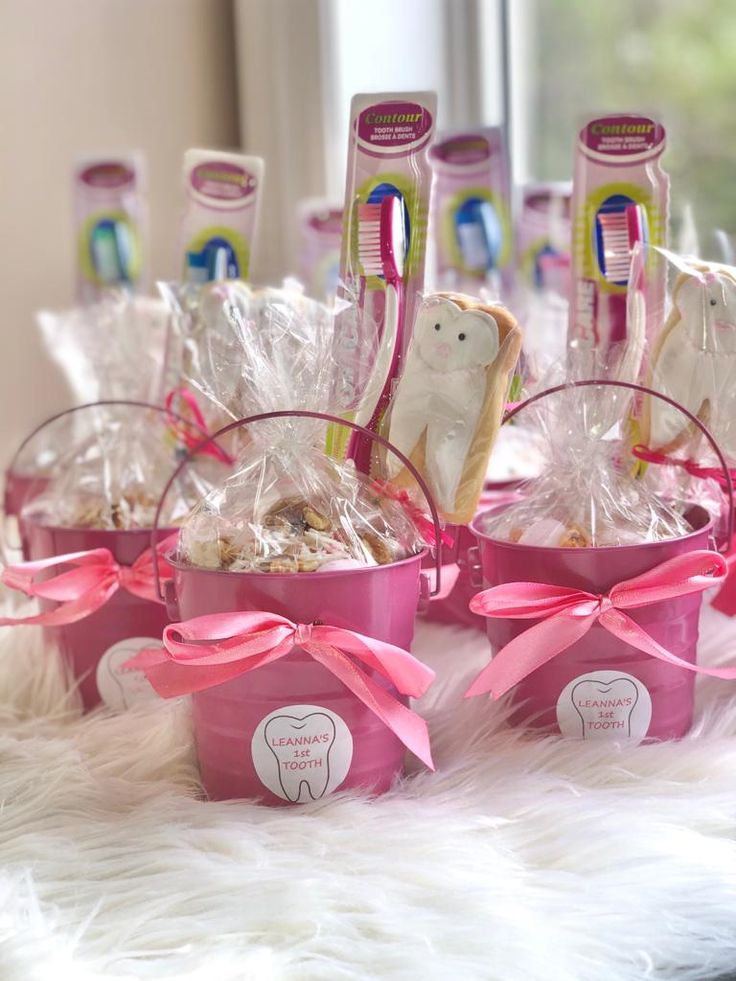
pixel 601 687
pixel 96 647
pixel 21 488
pixel 248 731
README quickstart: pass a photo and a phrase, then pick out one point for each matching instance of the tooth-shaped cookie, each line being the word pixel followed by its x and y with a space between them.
pixel 301 746
pixel 447 407
pixel 694 361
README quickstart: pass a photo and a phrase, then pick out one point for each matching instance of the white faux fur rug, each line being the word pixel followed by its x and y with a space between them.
pixel 520 859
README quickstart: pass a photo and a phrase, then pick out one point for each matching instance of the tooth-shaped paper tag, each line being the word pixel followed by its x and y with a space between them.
pixel 120 689
pixel 605 705
pixel 302 752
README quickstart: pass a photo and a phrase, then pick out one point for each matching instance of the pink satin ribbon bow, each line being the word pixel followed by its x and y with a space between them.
pixel 689 466
pixel 565 615
pixel 94 577
pixel 209 650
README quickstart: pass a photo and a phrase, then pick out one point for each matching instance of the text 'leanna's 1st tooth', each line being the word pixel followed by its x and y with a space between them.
pixel 302 752
pixel 605 705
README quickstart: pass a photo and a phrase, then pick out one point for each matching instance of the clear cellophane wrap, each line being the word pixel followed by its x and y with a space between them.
pixel 287 507
pixel 112 461
pixel 590 492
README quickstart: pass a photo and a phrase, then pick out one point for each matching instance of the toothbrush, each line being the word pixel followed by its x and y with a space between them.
pixel 218 263
pixel 381 246
pixel 620 230
pixel 479 236
pixel 107 256
pixel 124 249
pixel 617 232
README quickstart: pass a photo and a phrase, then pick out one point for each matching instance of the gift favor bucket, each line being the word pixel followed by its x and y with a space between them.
pixel 585 651
pixel 330 712
pixel 96 590
pixel 97 646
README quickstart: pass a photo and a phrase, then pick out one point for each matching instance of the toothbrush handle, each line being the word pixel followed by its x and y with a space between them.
pixel 378 392
pixel 616 318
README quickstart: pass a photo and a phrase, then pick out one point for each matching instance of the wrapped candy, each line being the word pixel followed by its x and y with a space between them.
pixel 287 507
pixel 91 529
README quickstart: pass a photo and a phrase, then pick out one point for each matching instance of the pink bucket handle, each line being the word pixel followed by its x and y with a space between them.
pixel 632 386
pixel 131 403
pixel 325 417
pixel 94 405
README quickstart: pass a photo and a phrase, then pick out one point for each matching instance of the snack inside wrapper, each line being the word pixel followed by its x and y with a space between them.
pixel 587 494
pixel 287 507
pixel 112 476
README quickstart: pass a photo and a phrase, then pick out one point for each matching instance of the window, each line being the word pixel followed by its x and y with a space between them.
pixel 669 58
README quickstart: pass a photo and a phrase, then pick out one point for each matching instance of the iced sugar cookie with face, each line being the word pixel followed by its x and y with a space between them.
pixel 694 361
pixel 448 404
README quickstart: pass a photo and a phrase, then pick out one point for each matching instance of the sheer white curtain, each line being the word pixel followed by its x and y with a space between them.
pixel 300 62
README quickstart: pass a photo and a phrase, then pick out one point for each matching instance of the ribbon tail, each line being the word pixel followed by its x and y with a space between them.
pixel 402 669
pixel 406 725
pixel 622 626
pixel 529 651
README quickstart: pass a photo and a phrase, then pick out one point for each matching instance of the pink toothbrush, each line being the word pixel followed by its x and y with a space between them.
pixel 620 231
pixel 381 246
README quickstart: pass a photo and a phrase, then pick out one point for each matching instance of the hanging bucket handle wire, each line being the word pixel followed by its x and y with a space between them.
pixel 642 389
pixel 130 403
pixel 306 414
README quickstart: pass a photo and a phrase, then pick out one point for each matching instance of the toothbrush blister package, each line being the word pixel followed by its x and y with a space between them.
pixel 620 199
pixel 471 211
pixel 287 507
pixel 383 250
pixel 111 218
pixel 320 228
pixel 541 287
pixel 218 229
pixel 543 236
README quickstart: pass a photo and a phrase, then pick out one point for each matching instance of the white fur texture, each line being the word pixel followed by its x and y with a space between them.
pixel 521 859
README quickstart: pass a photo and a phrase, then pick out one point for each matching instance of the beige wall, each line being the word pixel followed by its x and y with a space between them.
pixel 82 76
